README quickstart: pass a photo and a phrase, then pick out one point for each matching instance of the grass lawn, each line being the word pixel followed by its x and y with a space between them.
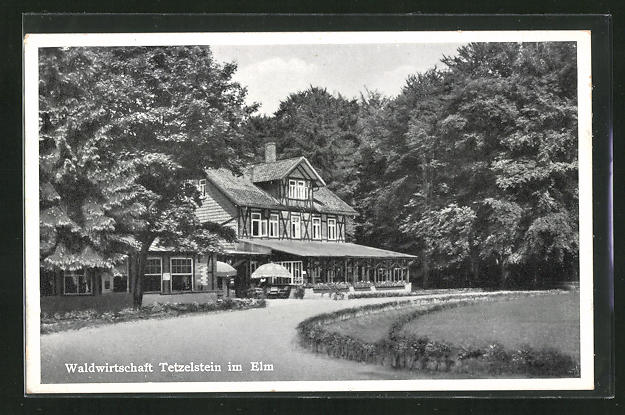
pixel 370 328
pixel 540 321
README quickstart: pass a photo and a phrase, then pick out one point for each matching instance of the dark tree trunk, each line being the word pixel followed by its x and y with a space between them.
pixel 505 273
pixel 426 192
pixel 137 269
pixel 426 271
pixel 475 272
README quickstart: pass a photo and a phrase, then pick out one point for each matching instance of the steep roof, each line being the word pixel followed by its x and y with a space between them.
pixel 242 192
pixel 279 169
pixel 326 201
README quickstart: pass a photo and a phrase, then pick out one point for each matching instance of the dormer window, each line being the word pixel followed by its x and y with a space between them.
pixel 298 189
pixel 201 187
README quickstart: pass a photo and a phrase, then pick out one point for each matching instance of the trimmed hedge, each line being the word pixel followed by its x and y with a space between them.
pixel 73 320
pixel 390 284
pixel 423 354
pixel 384 294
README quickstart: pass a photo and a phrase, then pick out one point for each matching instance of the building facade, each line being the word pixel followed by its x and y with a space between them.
pixel 283 212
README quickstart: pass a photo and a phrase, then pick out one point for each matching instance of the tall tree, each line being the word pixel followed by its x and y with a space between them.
pixel 123 130
pixel 505 133
pixel 321 126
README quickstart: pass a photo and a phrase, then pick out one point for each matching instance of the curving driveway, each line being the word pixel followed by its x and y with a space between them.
pixel 265 335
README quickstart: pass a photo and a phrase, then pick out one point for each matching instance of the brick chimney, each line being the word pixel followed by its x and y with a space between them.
pixel 270 152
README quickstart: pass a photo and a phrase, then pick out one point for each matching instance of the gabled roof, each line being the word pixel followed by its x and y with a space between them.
pixel 240 190
pixel 278 170
pixel 325 201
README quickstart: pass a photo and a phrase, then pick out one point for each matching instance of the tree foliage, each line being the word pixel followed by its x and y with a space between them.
pixel 472 167
pixel 122 132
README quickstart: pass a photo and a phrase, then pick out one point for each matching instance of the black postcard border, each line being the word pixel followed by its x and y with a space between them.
pixel 600 25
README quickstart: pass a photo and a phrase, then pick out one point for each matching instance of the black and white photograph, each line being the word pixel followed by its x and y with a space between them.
pixel 309 211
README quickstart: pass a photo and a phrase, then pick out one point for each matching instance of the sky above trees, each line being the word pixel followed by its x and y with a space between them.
pixel 272 72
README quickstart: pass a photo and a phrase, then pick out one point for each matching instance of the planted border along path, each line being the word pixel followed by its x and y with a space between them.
pixel 268 335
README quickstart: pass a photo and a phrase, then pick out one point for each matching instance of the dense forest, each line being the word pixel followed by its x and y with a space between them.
pixel 472 167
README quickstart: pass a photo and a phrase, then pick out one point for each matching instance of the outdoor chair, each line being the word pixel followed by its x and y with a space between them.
pixel 273 292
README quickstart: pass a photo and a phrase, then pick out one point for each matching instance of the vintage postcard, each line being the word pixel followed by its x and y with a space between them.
pixel 308 212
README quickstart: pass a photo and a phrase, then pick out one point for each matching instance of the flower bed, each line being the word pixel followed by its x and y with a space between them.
pixel 390 294
pixel 382 294
pixel 389 285
pixel 420 353
pixel 362 286
pixel 328 286
pixel 72 320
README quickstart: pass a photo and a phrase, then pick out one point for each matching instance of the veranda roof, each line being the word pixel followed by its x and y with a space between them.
pixel 325 249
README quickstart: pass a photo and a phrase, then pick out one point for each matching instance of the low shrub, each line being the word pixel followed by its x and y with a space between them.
pixel 328 286
pixel 51 323
pixel 362 285
pixel 382 294
pixel 255 293
pixel 299 292
pixel 390 284
pixel 337 294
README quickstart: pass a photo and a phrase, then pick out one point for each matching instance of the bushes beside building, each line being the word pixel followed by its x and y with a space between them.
pixel 73 320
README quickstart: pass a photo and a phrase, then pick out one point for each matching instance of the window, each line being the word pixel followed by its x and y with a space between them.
pixel 298 189
pixel 295 268
pixel 202 187
pixel 296 227
pixel 181 274
pixel 273 225
pixel 76 283
pixel 152 275
pixel 332 229
pixel 316 228
pixel 330 275
pixel 259 225
pixel 292 187
pixel 302 190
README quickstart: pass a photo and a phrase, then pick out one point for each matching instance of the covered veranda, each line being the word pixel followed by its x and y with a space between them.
pixel 329 262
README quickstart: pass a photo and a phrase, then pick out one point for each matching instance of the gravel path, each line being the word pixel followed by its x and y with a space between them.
pixel 239 337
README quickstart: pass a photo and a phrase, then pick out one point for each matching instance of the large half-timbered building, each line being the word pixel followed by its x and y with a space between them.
pixel 282 211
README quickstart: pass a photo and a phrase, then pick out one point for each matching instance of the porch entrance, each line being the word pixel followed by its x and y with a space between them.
pixel 295 268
